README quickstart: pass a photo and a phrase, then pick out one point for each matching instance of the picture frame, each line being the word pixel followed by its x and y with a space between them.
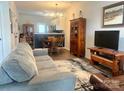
pixel 113 15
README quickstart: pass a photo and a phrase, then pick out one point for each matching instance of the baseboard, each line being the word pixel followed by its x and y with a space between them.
pixel 67 48
pixel 88 59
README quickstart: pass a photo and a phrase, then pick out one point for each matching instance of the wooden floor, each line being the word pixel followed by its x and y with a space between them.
pixel 64 54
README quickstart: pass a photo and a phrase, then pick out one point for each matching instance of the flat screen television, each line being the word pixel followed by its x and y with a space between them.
pixel 107 39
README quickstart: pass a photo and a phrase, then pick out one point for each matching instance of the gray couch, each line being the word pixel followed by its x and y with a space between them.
pixel 23 72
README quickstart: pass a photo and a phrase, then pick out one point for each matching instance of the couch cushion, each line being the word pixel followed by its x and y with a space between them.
pixel 25 46
pixel 43 58
pixel 20 67
pixel 44 75
pixel 45 65
pixel 4 78
pixel 54 82
pixel 22 51
pixel 40 51
pixel 44 62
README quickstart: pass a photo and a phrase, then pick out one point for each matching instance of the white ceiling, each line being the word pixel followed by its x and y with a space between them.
pixel 41 7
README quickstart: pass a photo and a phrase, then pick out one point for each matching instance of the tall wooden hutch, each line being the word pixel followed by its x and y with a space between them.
pixel 28 31
pixel 77 36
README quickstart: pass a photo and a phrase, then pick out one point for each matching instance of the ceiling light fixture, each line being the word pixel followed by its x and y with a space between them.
pixel 58 14
pixel 55 14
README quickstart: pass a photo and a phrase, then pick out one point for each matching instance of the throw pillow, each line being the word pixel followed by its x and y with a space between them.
pixel 25 46
pixel 4 78
pixel 20 67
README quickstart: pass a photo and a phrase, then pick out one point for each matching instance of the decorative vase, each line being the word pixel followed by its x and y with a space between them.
pixel 80 14
pixel 73 15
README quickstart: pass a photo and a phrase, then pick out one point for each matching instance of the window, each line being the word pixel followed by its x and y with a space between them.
pixel 41 28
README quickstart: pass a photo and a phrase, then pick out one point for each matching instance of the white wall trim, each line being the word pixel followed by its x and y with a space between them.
pixel 67 48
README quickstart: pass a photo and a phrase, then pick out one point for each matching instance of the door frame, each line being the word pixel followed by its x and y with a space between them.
pixel 5 28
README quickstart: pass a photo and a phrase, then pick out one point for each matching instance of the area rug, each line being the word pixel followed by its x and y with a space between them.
pixel 82 69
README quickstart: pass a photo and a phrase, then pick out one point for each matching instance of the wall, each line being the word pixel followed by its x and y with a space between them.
pixel 92 11
pixel 59 22
pixel 32 19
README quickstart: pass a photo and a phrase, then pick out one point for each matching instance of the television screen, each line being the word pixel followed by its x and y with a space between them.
pixel 107 39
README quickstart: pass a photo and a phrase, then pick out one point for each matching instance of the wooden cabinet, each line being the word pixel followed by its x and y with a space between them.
pixel 28 31
pixel 111 60
pixel 77 36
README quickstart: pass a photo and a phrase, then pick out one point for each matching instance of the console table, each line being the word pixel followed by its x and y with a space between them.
pixel 41 39
pixel 111 59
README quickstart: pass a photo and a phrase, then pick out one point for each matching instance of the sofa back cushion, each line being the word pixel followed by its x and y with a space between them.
pixel 20 66
pixel 23 51
pixel 25 47
pixel 4 78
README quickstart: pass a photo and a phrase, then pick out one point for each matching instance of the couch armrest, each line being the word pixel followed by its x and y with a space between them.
pixel 40 52
pixel 63 81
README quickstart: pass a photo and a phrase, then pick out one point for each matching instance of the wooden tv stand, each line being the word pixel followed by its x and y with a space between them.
pixel 110 58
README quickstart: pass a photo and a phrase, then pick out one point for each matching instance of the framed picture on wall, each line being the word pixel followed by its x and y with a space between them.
pixel 113 15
